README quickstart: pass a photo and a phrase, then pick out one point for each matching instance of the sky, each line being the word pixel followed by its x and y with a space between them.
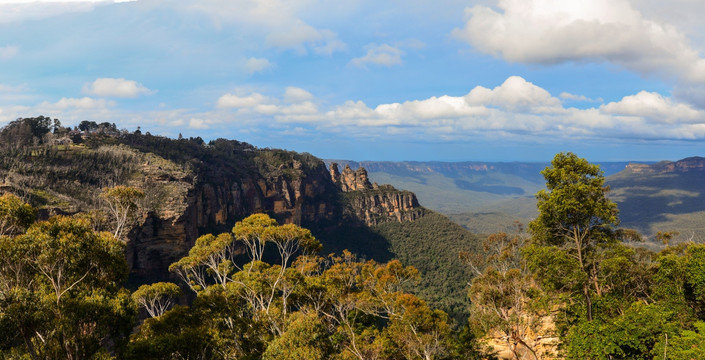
pixel 445 80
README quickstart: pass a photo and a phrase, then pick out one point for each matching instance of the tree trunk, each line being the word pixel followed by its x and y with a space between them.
pixel 588 302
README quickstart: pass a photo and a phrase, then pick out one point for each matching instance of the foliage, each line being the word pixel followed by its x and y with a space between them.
pixel 577 219
pixel 688 345
pixel 505 298
pixel 432 244
pixel 60 291
pixel 631 335
pixel 313 307
pixel 15 215
pixel 156 298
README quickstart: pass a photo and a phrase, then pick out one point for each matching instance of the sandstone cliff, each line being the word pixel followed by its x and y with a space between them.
pixel 664 167
pixel 371 203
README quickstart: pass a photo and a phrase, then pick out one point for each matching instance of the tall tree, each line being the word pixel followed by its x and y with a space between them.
pixel 576 220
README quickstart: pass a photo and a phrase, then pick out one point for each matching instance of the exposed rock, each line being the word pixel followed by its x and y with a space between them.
pixel 372 203
pixel 382 205
pixel 664 167
pixel 354 180
pixel 216 199
pixel 543 340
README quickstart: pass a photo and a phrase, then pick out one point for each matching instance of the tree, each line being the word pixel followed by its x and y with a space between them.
pixel 504 295
pixel 576 219
pixel 157 298
pixel 121 203
pixel 15 215
pixel 61 294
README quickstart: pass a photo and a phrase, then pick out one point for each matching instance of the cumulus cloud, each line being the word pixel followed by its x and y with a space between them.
pixel 255 65
pixel 112 87
pixel 514 108
pixel 237 101
pixel 654 107
pixel 7 52
pixel 552 31
pixel 383 55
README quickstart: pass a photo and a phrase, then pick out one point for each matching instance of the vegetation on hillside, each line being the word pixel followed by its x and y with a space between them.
pixel 264 291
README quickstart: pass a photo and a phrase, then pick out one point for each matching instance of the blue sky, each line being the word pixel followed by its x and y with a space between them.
pixel 450 80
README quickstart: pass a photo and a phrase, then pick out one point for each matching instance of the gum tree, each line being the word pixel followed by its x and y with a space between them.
pixel 576 221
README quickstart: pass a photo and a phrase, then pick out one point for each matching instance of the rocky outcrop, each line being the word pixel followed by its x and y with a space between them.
pixel 373 204
pixel 382 205
pixel 666 167
pixel 215 199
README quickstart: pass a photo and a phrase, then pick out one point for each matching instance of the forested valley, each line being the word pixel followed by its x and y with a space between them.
pixel 571 284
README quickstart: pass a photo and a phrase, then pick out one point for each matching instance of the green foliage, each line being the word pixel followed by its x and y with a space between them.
pixel 432 244
pixel 178 334
pixel 306 338
pixel 576 218
pixel 60 290
pixel 15 215
pixel 688 345
pixel 156 298
pixel 314 308
pixel 631 335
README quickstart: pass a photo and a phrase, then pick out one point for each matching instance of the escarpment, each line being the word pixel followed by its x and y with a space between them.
pixel 371 203
pixel 192 188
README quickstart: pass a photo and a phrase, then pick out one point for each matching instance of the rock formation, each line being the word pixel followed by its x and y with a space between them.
pixel 372 203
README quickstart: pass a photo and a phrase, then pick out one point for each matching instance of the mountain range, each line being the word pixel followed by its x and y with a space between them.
pixel 487 197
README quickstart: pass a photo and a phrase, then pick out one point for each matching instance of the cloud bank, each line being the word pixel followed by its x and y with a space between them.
pixel 556 31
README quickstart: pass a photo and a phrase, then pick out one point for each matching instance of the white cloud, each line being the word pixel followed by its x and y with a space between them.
pixel 515 94
pixel 200 124
pixel 554 31
pixel 247 101
pixel 654 107
pixel 255 65
pixel 7 52
pixel 516 108
pixel 84 103
pixel 15 11
pixel 296 95
pixel 383 55
pixel 112 87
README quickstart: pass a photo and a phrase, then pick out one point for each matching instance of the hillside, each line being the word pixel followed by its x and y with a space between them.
pixel 666 196
pixel 193 188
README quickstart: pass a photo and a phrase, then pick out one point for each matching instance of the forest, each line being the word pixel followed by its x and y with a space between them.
pixel 570 284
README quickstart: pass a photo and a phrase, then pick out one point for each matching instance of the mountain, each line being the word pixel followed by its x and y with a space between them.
pixel 665 196
pixel 484 197
pixel 488 197
pixel 193 188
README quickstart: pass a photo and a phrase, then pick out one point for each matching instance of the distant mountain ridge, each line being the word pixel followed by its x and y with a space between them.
pixel 695 163
pixel 488 196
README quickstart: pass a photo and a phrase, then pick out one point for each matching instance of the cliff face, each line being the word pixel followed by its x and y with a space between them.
pixel 216 199
pixel 373 204
pixel 666 167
